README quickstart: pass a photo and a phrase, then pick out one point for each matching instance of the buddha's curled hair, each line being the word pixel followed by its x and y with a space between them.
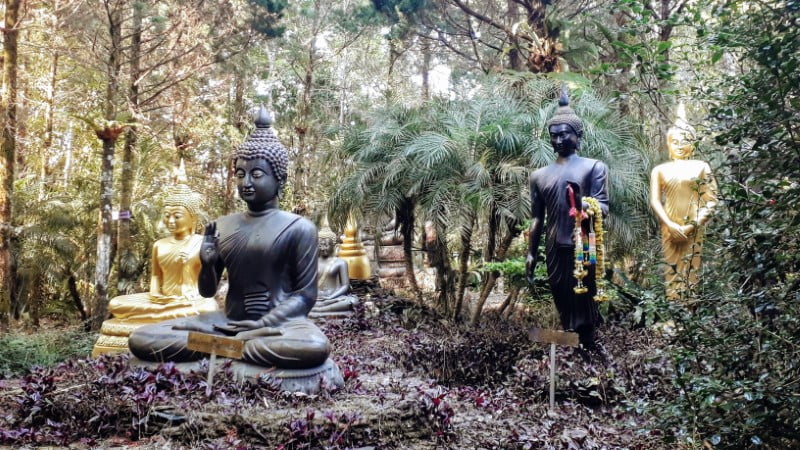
pixel 263 143
pixel 181 195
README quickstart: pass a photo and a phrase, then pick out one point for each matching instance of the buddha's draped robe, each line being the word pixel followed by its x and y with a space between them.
pixel 685 188
pixel 178 286
pixel 271 260
pixel 577 312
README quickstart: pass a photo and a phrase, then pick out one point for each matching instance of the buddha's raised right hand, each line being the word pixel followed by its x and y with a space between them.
pixel 209 251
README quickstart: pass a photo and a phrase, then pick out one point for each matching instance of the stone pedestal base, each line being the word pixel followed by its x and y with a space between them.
pixel 329 315
pixel 291 380
pixel 114 336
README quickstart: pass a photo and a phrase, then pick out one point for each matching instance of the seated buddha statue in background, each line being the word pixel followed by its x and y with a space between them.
pixel 333 281
pixel 174 269
pixel 683 195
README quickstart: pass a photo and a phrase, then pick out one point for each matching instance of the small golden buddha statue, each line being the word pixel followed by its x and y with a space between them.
pixel 333 282
pixel 683 194
pixel 353 252
pixel 175 266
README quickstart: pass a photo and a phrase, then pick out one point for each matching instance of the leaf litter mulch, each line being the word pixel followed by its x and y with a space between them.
pixel 412 380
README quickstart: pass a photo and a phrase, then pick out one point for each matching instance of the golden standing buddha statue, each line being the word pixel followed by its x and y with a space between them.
pixel 683 194
pixel 175 267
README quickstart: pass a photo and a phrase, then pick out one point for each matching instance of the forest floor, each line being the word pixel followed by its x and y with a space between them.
pixel 412 380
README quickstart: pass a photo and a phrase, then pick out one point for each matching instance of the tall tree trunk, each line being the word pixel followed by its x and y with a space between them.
pixel 463 266
pixel 51 104
pixel 8 104
pixel 36 300
pixel 238 119
pixel 425 45
pixel 108 136
pixel 394 55
pixel 51 98
pixel 126 259
pixel 103 267
pixel 302 128
pixel 514 54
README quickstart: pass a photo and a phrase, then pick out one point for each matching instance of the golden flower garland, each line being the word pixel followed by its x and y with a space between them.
pixel 585 249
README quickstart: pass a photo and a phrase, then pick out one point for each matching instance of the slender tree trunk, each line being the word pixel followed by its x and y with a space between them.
pixel 103 267
pixel 514 54
pixel 36 299
pixel 510 300
pixel 394 55
pixel 51 98
pixel 46 170
pixel 444 276
pixel 75 295
pixel 108 136
pixel 494 275
pixel 8 109
pixel 665 33
pixel 302 128
pixel 426 68
pixel 491 239
pixel 126 260
pixel 463 266
pixel 406 219
pixel 51 104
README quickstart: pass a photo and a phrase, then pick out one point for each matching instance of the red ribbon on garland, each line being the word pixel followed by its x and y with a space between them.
pixel 573 210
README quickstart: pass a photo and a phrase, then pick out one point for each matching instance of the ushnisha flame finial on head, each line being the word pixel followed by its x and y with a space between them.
pixel 179 174
pixel 263 118
pixel 566 115
pixel 179 194
pixel 263 143
pixel 681 136
pixel 681 124
pixel 325 231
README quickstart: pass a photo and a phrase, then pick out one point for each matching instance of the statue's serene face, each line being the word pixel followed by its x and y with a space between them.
pixel 256 183
pixel 178 220
pixel 679 144
pixel 563 139
pixel 326 247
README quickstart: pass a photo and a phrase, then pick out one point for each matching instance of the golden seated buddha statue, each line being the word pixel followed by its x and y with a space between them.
pixel 175 267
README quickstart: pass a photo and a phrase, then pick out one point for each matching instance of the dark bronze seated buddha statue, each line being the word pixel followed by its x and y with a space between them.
pixel 271 260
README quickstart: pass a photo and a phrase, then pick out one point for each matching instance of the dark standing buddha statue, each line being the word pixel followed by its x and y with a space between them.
pixel 549 196
pixel 271 259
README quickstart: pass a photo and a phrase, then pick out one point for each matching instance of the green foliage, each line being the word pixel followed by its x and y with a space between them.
pixel 737 354
pixel 266 16
pixel 20 352
pixel 470 156
pixel 513 270
pixel 465 163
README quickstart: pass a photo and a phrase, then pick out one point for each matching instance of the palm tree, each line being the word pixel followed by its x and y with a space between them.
pixel 472 169
pixel 382 176
pixel 464 165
